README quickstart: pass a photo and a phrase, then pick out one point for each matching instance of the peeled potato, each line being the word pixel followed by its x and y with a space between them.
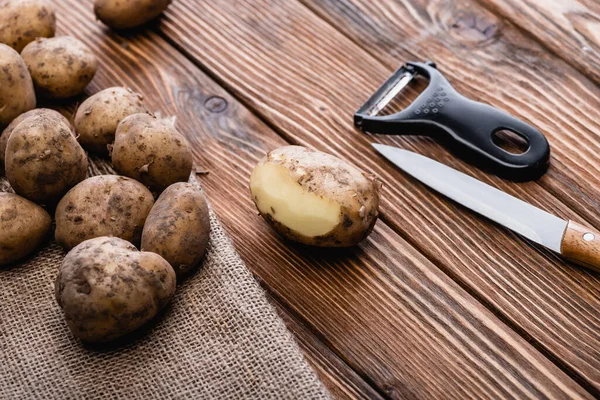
pixel 315 198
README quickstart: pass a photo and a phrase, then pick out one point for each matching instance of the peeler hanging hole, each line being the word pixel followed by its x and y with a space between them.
pixel 511 142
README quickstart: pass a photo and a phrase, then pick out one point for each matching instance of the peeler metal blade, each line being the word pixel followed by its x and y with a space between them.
pixel 387 92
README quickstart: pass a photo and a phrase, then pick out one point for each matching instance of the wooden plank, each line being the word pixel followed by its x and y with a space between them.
pixel 381 307
pixel 571 28
pixel 341 381
pixel 303 76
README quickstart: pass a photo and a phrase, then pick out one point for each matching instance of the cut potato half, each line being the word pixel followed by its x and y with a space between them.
pixel 278 194
pixel 315 198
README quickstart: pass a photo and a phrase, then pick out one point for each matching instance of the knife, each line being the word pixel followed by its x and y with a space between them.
pixel 574 241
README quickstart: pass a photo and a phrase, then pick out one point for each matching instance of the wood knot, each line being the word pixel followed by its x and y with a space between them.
pixel 471 26
pixel 216 104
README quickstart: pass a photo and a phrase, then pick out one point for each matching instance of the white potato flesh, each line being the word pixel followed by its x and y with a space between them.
pixel 278 194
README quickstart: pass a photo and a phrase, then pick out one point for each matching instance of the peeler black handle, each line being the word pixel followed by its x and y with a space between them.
pixel 466 126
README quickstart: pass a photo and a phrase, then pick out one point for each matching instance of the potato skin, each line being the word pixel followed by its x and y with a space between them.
pixel 107 288
pixel 24 226
pixel 15 122
pixel 329 177
pixel 178 227
pixel 97 118
pixel 60 67
pixel 119 14
pixel 151 151
pixel 44 160
pixel 22 21
pixel 105 205
pixel 16 87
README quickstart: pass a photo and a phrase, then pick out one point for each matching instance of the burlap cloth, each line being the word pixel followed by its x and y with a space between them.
pixel 219 339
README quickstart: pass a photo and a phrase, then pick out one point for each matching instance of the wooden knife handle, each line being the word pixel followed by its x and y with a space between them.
pixel 581 245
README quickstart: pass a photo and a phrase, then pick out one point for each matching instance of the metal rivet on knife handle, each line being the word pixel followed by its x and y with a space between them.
pixel 581 245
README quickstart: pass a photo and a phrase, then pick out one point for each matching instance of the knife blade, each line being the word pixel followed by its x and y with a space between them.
pixel 574 241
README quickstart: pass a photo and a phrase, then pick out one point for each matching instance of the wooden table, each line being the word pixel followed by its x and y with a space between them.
pixel 437 302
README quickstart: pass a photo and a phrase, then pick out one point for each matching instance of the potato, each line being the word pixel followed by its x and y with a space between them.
pixel 151 151
pixel 107 288
pixel 119 14
pixel 60 67
pixel 178 227
pixel 105 205
pixel 23 227
pixel 16 88
pixel 21 21
pixel 15 122
pixel 97 118
pixel 315 198
pixel 44 160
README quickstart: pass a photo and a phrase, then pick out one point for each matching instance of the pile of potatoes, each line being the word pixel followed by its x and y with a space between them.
pixel 105 286
pixel 126 251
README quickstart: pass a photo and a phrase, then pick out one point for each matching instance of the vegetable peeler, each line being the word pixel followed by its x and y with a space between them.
pixel 465 126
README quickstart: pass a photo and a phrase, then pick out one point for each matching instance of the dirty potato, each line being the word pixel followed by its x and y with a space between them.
pixel 119 14
pixel 151 151
pixel 44 160
pixel 15 122
pixel 23 227
pixel 107 288
pixel 315 198
pixel 105 205
pixel 97 118
pixel 16 88
pixel 60 67
pixel 21 21
pixel 178 227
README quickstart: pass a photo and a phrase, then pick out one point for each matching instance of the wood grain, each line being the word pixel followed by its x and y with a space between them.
pixel 305 78
pixel 571 28
pixel 341 381
pixel 582 245
pixel 381 307
pixel 382 318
